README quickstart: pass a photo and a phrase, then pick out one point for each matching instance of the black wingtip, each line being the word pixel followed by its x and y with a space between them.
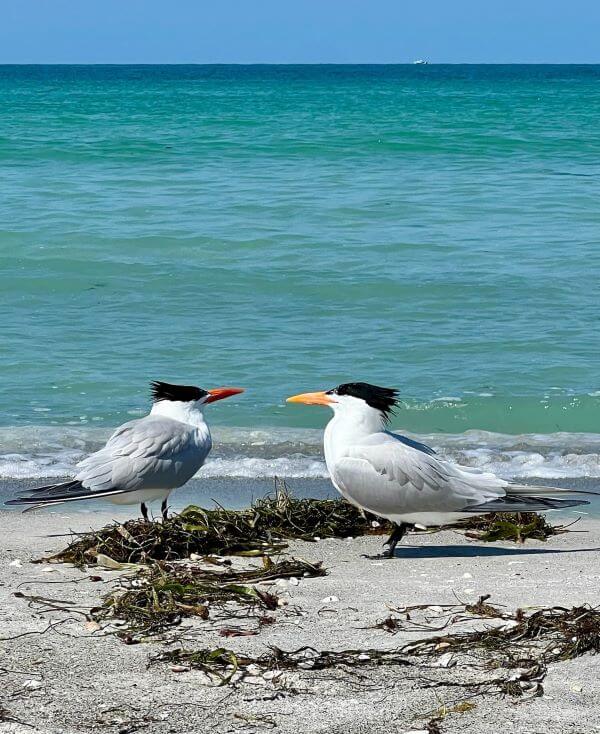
pixel 512 503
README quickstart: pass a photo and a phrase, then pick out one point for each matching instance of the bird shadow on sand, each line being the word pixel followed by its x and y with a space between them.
pixel 473 551
pixel 482 551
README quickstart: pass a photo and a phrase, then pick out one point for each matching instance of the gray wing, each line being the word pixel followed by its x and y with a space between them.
pixel 154 452
pixel 151 453
pixel 389 477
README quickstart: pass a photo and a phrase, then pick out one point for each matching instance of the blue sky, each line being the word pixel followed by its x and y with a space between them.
pixel 299 31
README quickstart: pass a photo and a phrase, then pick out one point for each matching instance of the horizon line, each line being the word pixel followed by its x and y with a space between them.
pixel 299 63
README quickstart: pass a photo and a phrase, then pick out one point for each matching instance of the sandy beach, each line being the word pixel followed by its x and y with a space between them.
pixel 61 675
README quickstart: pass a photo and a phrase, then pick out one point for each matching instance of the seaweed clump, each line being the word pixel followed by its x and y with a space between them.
pixel 546 636
pixel 517 527
pixel 522 647
pixel 263 528
pixel 161 595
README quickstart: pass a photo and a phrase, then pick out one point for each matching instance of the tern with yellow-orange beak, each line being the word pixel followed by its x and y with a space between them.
pixel 395 477
pixel 145 459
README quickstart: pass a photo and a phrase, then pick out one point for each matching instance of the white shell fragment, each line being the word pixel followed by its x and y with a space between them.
pixel 444 661
pixel 32 685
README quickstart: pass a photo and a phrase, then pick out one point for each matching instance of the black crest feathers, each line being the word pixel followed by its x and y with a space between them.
pixel 179 393
pixel 384 399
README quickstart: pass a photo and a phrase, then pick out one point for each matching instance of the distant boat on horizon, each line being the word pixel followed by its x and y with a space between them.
pixel 420 61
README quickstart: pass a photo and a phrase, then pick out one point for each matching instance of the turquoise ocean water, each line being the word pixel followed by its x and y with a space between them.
pixel 433 228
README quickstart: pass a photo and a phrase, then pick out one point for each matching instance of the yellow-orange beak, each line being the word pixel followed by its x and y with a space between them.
pixel 311 398
pixel 218 393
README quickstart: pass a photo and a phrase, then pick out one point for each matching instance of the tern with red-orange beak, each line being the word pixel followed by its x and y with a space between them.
pixel 144 460
pixel 395 477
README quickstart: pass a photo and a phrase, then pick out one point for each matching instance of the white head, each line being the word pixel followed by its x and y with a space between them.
pixel 357 401
pixel 186 402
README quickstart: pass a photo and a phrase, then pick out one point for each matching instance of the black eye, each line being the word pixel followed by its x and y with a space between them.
pixel 332 392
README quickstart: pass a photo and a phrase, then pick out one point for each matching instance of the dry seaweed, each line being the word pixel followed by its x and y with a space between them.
pixel 546 636
pixel 161 595
pixel 221 662
pixel 433 726
pixel 264 528
pixel 260 529
pixel 436 718
pixel 523 648
pixel 7 717
pixel 517 527
pixel 453 613
pixel 482 609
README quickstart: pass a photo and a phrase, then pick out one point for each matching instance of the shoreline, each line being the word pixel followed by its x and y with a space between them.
pixel 50 453
pixel 237 493
pixel 92 682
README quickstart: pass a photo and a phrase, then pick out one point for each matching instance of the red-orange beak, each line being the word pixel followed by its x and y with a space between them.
pixel 311 398
pixel 218 393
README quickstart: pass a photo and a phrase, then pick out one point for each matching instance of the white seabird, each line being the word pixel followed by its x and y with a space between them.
pixel 144 460
pixel 394 477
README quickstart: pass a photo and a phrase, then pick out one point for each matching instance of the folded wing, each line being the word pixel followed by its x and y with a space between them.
pixel 389 477
pixel 151 453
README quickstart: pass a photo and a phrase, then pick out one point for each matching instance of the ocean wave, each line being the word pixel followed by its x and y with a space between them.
pixel 19 466
pixel 39 452
pixel 293 467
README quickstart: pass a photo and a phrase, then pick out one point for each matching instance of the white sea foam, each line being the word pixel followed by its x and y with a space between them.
pixel 34 452
pixel 36 466
pixel 19 466
pixel 521 464
pixel 293 467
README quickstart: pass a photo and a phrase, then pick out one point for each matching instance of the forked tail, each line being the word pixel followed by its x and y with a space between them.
pixel 55 494
pixel 527 498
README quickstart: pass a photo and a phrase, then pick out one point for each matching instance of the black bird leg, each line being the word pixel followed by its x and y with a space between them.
pixel 145 512
pixel 396 536
pixel 164 508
